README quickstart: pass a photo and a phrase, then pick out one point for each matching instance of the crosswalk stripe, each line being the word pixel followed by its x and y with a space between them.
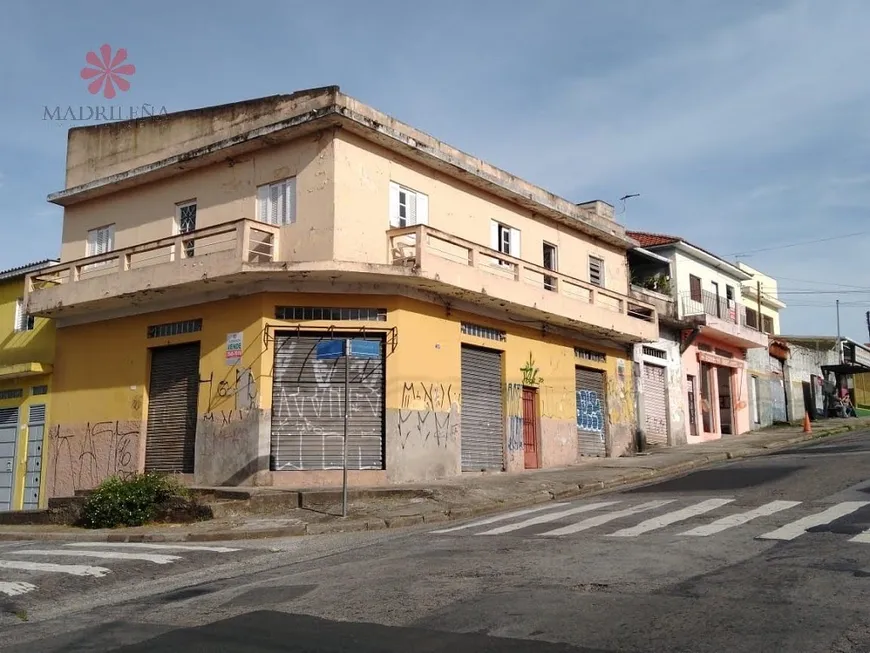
pixel 146 545
pixel 671 517
pixel 49 567
pixel 741 518
pixel 156 558
pixel 598 520
pixel 498 518
pixel 799 527
pixel 862 538
pixel 543 519
pixel 15 589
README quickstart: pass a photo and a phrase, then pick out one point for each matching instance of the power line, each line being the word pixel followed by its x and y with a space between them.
pixel 806 242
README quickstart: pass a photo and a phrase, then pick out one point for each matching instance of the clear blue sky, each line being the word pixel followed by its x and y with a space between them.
pixel 742 124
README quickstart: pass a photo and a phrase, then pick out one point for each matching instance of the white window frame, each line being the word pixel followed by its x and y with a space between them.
pixel 23 321
pixel 415 205
pixel 600 261
pixel 267 194
pixel 93 244
pixel 503 235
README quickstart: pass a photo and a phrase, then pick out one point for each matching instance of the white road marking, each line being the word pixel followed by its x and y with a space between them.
pixel 741 518
pixel 543 519
pixel 156 558
pixel 598 520
pixel 799 527
pixel 497 518
pixel 15 589
pixel 48 567
pixel 862 538
pixel 671 518
pixel 146 545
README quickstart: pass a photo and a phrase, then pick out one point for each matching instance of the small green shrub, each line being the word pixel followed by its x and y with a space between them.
pixel 135 500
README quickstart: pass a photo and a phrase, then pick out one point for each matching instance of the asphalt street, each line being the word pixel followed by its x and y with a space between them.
pixel 765 554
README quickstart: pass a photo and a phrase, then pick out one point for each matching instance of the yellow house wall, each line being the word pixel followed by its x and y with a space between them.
pixel 223 193
pixel 363 172
pixel 36 346
pixel 99 411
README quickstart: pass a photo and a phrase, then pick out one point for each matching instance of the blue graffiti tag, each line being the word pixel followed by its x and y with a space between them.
pixel 589 414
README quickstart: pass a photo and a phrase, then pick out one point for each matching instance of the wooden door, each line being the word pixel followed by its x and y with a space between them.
pixel 530 428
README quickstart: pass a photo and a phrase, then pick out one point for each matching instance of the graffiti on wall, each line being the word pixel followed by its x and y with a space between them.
pixel 590 413
pixel 83 456
pixel 240 388
pixel 426 414
pixel 531 376
pixel 514 394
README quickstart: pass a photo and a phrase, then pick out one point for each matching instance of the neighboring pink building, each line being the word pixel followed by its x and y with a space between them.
pixel 714 337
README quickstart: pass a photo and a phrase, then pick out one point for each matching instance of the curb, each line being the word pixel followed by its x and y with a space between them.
pixel 572 491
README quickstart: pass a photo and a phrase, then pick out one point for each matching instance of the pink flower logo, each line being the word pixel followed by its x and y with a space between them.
pixel 108 71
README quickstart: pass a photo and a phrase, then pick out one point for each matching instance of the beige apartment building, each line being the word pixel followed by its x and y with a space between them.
pixel 215 261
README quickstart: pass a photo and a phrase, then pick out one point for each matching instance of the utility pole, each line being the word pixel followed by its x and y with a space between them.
pixel 760 321
pixel 839 344
pixel 868 325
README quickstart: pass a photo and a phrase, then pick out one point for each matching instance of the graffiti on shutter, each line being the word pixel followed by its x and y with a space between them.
pixel 655 405
pixel 173 394
pixel 591 413
pixel 308 407
pixel 482 414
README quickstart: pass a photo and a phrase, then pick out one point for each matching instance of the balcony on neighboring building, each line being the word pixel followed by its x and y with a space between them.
pixel 726 317
pixel 245 256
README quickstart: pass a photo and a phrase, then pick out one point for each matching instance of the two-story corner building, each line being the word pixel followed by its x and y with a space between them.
pixel 767 368
pixel 26 359
pixel 713 342
pixel 213 260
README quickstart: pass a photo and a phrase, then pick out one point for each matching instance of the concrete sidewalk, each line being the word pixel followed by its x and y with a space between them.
pixel 438 501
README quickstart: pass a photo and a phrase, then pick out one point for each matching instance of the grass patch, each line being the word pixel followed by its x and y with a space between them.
pixel 140 499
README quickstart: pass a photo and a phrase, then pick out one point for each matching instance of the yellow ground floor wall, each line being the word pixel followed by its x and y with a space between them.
pixel 100 397
pixel 26 385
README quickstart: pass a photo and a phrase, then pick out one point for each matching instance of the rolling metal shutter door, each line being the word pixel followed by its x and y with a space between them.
pixel 482 413
pixel 777 397
pixel 308 408
pixel 590 412
pixel 654 405
pixel 172 405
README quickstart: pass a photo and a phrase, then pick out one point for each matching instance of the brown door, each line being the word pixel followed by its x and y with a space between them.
pixel 530 428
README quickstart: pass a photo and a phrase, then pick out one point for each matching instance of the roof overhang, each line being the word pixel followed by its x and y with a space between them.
pixel 346 113
pixel 643 251
pixel 22 271
pixel 705 257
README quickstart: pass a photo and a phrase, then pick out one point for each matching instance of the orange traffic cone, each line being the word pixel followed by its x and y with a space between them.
pixel 808 428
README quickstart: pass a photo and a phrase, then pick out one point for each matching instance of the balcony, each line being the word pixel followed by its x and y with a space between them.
pixel 245 257
pixel 133 274
pixel 459 267
pixel 726 317
pixel 664 304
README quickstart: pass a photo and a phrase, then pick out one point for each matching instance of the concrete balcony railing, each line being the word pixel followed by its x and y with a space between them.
pixel 664 304
pixel 460 263
pixel 220 250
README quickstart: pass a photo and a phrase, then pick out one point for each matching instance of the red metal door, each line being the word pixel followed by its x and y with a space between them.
pixel 530 428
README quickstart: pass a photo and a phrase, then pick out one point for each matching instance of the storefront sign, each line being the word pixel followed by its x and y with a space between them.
pixel 713 359
pixel 860 356
pixel 234 348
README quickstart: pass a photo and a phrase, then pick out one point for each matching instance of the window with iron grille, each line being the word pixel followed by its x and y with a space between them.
pixel 175 328
pixel 657 353
pixel 14 393
pixel 596 271
pixel 333 314
pixel 751 318
pixel 23 321
pixel 767 324
pixel 39 390
pixel 589 355
pixel 479 331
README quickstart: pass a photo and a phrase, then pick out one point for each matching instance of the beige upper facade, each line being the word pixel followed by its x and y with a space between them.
pixel 316 186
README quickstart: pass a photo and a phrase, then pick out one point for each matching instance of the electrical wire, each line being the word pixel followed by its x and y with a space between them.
pixel 806 242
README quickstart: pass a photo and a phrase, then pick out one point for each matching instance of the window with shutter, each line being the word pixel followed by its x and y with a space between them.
pixel 100 241
pixel 767 323
pixel 694 288
pixel 276 202
pixel 596 271
pixel 23 321
pixel 407 207
pixel 751 318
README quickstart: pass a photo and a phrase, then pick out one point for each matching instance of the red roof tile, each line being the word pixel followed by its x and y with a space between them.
pixel 651 240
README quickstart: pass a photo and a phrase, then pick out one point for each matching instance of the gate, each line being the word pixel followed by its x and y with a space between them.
pixel 173 392
pixel 530 429
pixel 482 412
pixel 591 426
pixel 35 437
pixel 308 407
pixel 655 405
